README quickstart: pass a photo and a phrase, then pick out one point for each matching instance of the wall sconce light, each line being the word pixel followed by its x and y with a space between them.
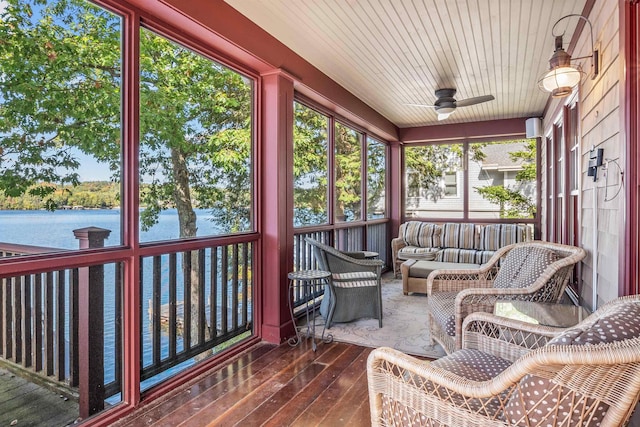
pixel 562 76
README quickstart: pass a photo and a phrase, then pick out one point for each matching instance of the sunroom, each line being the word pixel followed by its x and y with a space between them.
pixel 162 162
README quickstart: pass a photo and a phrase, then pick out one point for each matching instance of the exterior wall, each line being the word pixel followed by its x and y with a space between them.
pixel 599 127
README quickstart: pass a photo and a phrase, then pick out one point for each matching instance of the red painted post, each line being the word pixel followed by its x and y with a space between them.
pixel 91 325
pixel 277 205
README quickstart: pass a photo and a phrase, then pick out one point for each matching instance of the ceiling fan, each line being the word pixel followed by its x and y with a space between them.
pixel 446 104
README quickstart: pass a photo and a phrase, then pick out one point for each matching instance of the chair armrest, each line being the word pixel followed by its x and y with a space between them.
pixel 435 393
pixel 504 337
pixel 356 254
pixel 341 263
pixel 396 244
pixel 457 280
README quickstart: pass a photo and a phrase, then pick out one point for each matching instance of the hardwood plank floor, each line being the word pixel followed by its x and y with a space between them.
pixel 272 386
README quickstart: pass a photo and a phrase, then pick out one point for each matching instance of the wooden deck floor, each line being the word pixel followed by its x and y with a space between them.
pixel 271 386
pixel 23 403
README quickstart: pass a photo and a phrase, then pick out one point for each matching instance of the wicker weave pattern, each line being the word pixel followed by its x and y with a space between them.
pixel 354 290
pixel 476 292
pixel 600 384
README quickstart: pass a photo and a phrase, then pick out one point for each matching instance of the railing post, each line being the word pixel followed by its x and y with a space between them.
pixel 91 325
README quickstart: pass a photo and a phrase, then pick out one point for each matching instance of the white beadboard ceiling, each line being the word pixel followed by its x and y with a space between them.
pixel 390 53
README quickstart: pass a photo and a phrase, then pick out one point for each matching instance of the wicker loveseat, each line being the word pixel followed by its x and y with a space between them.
pixel 453 242
pixel 531 271
pixel 511 373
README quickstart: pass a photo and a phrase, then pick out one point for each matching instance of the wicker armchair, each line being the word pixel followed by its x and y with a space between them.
pixel 533 271
pixel 354 289
pixel 510 373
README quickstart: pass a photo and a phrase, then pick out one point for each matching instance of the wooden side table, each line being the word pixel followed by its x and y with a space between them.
pixel 306 281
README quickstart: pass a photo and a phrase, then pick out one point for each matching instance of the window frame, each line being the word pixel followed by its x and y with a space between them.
pixel 465 185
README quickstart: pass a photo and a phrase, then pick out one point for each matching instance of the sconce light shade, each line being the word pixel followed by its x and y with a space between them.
pixel 560 81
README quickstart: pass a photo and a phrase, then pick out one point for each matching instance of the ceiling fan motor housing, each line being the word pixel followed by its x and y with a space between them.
pixel 446 102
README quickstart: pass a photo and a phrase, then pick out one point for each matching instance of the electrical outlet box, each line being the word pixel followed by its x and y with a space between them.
pixel 595 161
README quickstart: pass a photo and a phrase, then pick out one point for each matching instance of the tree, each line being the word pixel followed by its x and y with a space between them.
pixel 513 202
pixel 426 166
pixel 61 90
pixel 61 75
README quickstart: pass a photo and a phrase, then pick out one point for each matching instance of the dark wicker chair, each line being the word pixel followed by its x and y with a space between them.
pixel 354 289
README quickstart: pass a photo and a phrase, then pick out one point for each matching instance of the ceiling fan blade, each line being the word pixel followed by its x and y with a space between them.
pixel 420 105
pixel 443 116
pixel 473 101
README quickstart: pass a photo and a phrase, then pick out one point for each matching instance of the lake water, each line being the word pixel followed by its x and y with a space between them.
pixel 55 230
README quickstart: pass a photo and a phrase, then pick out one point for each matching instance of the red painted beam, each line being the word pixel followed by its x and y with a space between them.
pixel 507 128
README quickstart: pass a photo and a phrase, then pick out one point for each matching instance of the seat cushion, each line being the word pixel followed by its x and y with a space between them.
pixel 415 252
pixel 354 279
pixel 473 364
pixel 523 265
pixel 470 364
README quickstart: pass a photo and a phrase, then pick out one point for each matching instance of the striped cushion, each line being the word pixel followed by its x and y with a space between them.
pixel 428 254
pixel 495 236
pixel 356 279
pixel 462 236
pixel 482 257
pixel 422 234
pixel 457 255
pixel 522 266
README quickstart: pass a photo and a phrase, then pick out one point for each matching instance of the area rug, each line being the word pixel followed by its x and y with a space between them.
pixel 404 324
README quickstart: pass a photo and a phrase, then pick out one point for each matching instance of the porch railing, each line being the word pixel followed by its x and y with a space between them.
pixel 370 236
pixel 47 317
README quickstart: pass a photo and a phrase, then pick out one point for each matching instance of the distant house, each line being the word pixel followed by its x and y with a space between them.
pixel 447 200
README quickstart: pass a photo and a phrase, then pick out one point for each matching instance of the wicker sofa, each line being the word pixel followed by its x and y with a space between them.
pixel 453 242
pixel 511 373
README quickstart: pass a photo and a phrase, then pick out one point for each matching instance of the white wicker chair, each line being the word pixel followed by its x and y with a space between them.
pixel 511 373
pixel 533 271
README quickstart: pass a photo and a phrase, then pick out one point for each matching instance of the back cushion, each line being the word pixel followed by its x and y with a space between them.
pixel 422 234
pixel 495 236
pixel 461 236
pixel 620 324
pixel 541 402
pixel 523 265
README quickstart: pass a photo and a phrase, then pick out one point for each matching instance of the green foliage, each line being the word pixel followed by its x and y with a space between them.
pixel 310 163
pixel 426 165
pixel 348 164
pixel 90 194
pixel 60 94
pixel 376 174
pixel 513 203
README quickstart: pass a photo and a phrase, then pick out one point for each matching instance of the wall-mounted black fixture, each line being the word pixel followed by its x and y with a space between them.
pixel 595 161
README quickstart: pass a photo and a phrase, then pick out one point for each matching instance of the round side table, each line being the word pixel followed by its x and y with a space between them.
pixel 306 282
